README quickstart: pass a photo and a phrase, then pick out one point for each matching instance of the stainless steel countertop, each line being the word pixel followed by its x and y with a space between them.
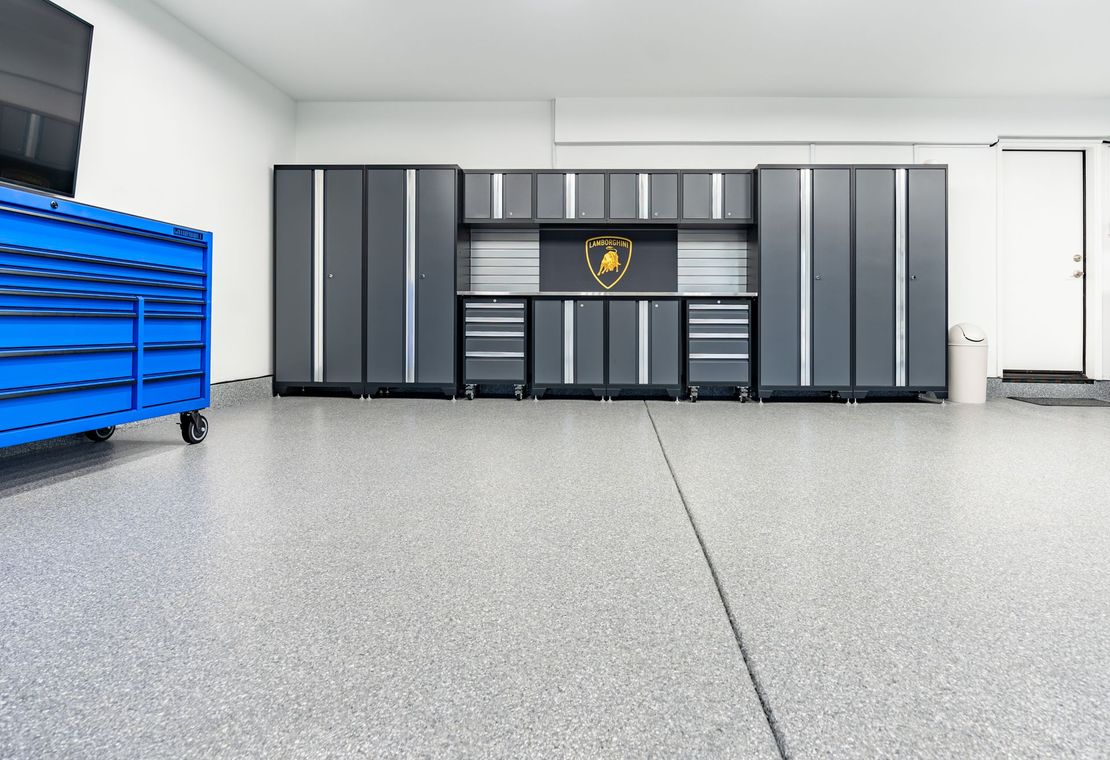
pixel 595 294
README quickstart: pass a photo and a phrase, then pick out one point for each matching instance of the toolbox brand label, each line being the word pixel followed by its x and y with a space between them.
pixel 608 258
pixel 600 260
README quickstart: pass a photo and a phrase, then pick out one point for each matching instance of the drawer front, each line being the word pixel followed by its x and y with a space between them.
pixel 493 370
pixel 723 371
pixel 498 314
pixel 500 345
pixel 730 346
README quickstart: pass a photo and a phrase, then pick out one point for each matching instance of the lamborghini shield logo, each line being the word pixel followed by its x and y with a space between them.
pixel 608 258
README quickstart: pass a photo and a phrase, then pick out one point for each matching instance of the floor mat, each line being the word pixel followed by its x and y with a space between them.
pixel 1061 401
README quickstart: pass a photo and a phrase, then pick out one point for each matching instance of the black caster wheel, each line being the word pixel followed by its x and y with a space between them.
pixel 469 395
pixel 100 435
pixel 519 393
pixel 194 428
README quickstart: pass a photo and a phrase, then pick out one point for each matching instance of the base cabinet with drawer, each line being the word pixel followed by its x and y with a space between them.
pixel 718 344
pixel 495 344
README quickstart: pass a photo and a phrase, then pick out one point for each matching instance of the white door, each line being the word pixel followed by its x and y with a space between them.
pixel 1042 264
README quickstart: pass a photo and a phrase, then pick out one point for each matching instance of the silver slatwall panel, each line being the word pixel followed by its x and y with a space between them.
pixel 712 261
pixel 505 260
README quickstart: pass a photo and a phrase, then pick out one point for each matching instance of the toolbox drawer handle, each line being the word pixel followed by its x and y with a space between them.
pixel 718 321
pixel 494 354
pixel 718 356
pixel 494 334
pixel 495 320
pixel 507 305
pixel 696 336
pixel 719 307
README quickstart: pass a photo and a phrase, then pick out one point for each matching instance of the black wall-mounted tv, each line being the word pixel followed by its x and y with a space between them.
pixel 44 71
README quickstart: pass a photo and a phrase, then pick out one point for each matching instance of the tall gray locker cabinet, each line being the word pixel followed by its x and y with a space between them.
pixel 411 229
pixel 805 270
pixel 853 292
pixel 317 279
pixel 901 271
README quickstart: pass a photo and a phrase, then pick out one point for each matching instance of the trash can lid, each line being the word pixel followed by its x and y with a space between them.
pixel 965 333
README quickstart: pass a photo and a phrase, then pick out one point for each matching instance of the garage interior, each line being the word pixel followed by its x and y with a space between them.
pixel 556 380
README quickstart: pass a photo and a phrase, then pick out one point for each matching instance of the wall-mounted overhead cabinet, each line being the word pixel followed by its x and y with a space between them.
pixel 738 195
pixel 837 279
pixel 516 196
pixel 623 196
pixel 379 241
pixel 317 279
pixel 698 195
pixel 663 196
pixel 589 193
pixel 478 196
pixel 551 196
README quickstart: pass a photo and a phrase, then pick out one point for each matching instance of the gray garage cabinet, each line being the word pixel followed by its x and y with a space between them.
pixel 852 279
pixel 365 278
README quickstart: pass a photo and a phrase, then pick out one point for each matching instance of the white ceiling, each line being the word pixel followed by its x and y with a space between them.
pixel 541 49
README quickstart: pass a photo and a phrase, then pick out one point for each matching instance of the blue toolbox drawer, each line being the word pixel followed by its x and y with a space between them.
pixel 105 318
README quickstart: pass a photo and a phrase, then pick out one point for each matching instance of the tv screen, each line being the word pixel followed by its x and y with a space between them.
pixel 44 66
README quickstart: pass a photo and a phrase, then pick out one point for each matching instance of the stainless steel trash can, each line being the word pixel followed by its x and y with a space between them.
pixel 967 364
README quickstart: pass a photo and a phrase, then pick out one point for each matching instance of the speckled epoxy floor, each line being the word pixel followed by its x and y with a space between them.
pixel 396 577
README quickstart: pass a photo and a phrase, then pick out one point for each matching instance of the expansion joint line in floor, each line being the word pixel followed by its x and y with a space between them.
pixel 760 693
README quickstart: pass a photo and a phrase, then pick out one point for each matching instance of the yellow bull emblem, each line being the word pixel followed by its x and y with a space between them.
pixel 610 262
pixel 608 258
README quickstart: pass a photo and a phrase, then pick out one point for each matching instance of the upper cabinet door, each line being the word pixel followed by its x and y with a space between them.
pixel 551 200
pixel 478 195
pixel 590 191
pixel 623 197
pixel 697 196
pixel 664 196
pixel 516 190
pixel 738 196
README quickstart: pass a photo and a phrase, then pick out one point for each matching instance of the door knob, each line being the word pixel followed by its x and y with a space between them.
pixel 423 277
pixel 1078 273
pixel 1077 258
pixel 818 277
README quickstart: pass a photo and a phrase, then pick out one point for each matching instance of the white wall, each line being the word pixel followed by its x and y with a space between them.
pixel 743 132
pixel 177 130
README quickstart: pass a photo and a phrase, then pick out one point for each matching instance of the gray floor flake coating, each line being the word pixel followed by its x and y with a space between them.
pixel 912 580
pixel 336 578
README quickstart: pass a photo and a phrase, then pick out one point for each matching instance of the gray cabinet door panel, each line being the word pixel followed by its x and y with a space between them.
pixel 385 276
pixel 478 195
pixel 697 196
pixel 927 320
pixel 436 229
pixel 664 196
pixel 547 342
pixel 875 270
pixel 623 196
pixel 343 276
pixel 551 196
pixel 590 193
pixel 589 342
pixel 293 275
pixel 516 196
pixel 624 344
pixel 738 195
pixel 779 273
pixel 832 277
pixel 664 348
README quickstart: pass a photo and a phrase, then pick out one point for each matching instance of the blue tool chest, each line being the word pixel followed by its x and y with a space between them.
pixel 105 318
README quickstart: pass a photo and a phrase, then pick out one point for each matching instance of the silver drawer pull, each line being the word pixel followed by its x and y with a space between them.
pixel 718 321
pixel 516 305
pixel 494 354
pixel 718 356
pixel 718 307
pixel 694 336
pixel 495 334
pixel 495 320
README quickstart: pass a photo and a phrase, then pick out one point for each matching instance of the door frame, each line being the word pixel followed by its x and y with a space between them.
pixel 1092 153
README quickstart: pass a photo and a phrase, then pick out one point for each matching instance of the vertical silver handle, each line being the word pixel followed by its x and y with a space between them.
pixel 498 184
pixel 410 275
pixel 900 268
pixel 568 342
pixel 643 195
pixel 571 195
pixel 318 276
pixel 805 253
pixel 718 196
pixel 643 353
